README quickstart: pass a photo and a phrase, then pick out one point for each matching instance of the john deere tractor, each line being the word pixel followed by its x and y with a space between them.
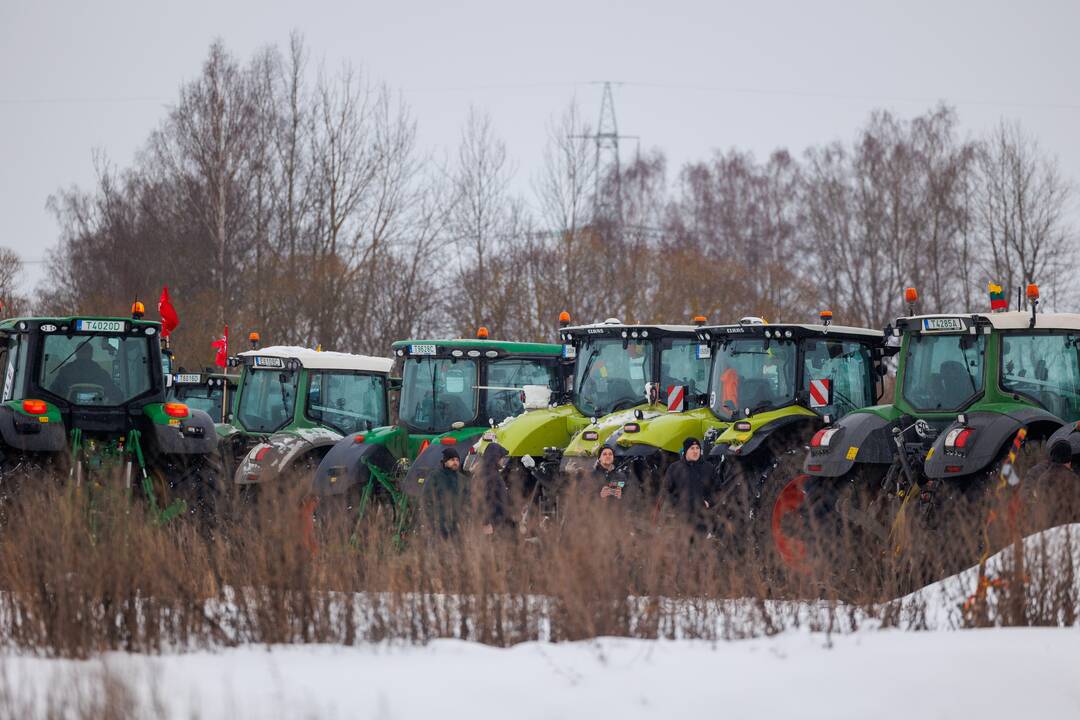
pixel 968 386
pixel 622 374
pixel 293 404
pixel 451 392
pixel 85 397
pixel 211 392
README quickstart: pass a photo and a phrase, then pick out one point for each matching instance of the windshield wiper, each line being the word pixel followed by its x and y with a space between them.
pixel 77 348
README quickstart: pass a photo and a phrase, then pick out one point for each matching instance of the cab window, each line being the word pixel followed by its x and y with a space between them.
pixel 846 365
pixel 683 363
pixel 502 404
pixel 1044 368
pixel 347 402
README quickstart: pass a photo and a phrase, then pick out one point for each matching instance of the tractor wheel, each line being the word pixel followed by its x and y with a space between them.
pixel 831 534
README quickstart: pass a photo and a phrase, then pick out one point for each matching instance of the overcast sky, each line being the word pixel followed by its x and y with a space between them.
pixel 76 77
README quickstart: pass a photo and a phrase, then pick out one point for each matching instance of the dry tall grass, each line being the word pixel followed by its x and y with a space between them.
pixel 84 571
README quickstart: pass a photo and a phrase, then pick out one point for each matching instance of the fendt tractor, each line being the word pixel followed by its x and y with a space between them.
pixel 85 397
pixel 771 387
pixel 211 392
pixel 966 386
pixel 623 374
pixel 293 404
pixel 452 391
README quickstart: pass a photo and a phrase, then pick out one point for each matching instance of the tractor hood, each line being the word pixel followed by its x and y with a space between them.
pixel 667 431
pixel 740 435
pixel 591 438
pixel 532 431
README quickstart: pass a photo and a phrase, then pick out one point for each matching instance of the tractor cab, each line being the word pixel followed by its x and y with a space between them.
pixel 91 390
pixel 292 404
pixel 452 391
pixel 628 373
pixel 211 392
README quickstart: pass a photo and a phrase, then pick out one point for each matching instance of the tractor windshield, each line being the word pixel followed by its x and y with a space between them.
pixel 267 399
pixel 503 402
pixel 96 369
pixel 609 377
pixel 438 392
pixel 752 374
pixel 1044 368
pixel 943 373
pixel 347 402
pixel 202 397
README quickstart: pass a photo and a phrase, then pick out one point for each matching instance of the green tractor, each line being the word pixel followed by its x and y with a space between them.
pixel 623 374
pixel 293 404
pixel 86 396
pixel 452 391
pixel 966 386
pixel 211 392
pixel 770 388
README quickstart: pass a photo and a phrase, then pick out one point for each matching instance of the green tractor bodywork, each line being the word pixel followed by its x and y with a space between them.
pixel 86 396
pixel 293 404
pixel 211 392
pixel 965 386
pixel 621 373
pixel 452 391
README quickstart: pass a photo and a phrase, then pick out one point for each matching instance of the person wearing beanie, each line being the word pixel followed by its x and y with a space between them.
pixel 686 486
pixel 445 494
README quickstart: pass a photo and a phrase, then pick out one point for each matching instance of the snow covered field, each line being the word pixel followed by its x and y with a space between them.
pixel 997 673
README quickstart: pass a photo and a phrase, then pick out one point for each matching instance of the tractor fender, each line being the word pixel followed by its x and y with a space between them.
pixel 862 437
pixel 195 435
pixel 766 431
pixel 1068 434
pixel 993 432
pixel 29 434
pixel 346 465
pixel 275 455
pixel 430 460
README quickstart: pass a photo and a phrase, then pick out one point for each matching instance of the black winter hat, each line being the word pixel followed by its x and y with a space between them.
pixel 1061 452
pixel 450 453
pixel 688 442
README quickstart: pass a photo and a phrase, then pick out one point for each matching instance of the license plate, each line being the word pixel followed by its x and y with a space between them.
pixel 269 362
pixel 942 324
pixel 489 436
pixel 421 349
pixel 189 378
pixel 109 326
pixel 569 352
pixel 704 352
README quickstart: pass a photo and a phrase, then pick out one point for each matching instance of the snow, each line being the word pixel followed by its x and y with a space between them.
pixel 325 360
pixel 1000 673
pixel 1018 320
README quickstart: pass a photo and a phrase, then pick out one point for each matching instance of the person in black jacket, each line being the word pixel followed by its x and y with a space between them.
pixel 610 481
pixel 686 485
pixel 445 495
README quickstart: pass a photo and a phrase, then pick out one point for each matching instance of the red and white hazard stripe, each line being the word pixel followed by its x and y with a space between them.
pixel 676 398
pixel 819 393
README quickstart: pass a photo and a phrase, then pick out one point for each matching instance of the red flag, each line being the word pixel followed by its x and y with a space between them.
pixel 222 345
pixel 169 318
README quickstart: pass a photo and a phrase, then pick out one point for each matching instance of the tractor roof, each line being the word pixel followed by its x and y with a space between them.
pixel 506 347
pixel 612 327
pixel 61 322
pixel 320 360
pixel 714 332
pixel 1010 320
